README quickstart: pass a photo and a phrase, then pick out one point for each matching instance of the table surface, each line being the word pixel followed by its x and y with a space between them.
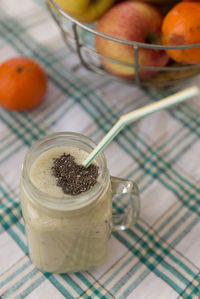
pixel 157 258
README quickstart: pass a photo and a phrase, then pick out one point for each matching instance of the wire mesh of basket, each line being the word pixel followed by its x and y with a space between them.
pixel 79 38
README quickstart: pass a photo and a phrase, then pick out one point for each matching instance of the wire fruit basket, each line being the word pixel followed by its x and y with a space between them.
pixel 79 38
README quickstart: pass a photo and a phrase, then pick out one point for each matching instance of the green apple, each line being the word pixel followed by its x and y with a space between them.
pixel 85 10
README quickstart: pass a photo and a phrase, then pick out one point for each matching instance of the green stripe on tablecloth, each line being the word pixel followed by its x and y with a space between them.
pixel 192 123
pixel 121 269
pixel 24 125
pixel 178 132
pixel 186 147
pixel 7 146
pixel 28 290
pixel 19 283
pixel 16 237
pixel 168 219
pixel 5 210
pixel 159 245
pixel 14 130
pixel 89 284
pixel 10 153
pixel 3 139
pixel 72 283
pixel 13 218
pixel 91 287
pixel 132 272
pixel 150 265
pixel 24 279
pixel 60 287
pixel 6 143
pixel 32 284
pixel 185 232
pixel 152 253
pixel 160 159
pixel 179 223
pixel 192 290
pixel 15 274
pixel 157 259
pixel 127 277
pixel 169 185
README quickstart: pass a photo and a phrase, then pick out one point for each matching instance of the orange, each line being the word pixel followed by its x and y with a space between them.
pixel 23 84
pixel 181 26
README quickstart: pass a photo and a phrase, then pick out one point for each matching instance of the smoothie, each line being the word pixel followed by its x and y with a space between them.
pixel 71 239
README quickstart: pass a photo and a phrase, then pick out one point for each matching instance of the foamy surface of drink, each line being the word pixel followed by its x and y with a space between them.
pixel 41 171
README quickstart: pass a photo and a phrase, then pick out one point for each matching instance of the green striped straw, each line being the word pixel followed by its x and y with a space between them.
pixel 139 113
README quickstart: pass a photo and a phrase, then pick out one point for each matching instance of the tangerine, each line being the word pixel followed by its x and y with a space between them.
pixel 23 83
pixel 181 26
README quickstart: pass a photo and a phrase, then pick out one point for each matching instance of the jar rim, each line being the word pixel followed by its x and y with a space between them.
pixel 67 202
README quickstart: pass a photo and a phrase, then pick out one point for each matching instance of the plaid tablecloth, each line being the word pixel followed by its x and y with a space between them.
pixel 160 256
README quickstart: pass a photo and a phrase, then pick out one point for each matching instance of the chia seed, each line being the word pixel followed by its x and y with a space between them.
pixel 73 178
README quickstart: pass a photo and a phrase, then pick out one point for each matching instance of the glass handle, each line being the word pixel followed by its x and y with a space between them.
pixel 125 202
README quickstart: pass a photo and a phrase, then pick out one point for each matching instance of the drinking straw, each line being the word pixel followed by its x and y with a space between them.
pixel 139 113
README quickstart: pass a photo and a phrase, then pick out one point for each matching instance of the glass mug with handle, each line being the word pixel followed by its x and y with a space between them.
pixel 70 233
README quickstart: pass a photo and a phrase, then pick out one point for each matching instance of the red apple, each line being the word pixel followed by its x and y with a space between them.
pixel 133 21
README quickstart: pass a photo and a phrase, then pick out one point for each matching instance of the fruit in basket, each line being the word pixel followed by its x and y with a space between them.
pixel 85 10
pixel 157 2
pixel 23 84
pixel 181 26
pixel 131 21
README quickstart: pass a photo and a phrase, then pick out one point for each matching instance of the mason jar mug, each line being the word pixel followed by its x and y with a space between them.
pixel 71 233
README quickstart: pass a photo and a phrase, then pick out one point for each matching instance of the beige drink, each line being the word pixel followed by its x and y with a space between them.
pixel 59 242
pixel 69 233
